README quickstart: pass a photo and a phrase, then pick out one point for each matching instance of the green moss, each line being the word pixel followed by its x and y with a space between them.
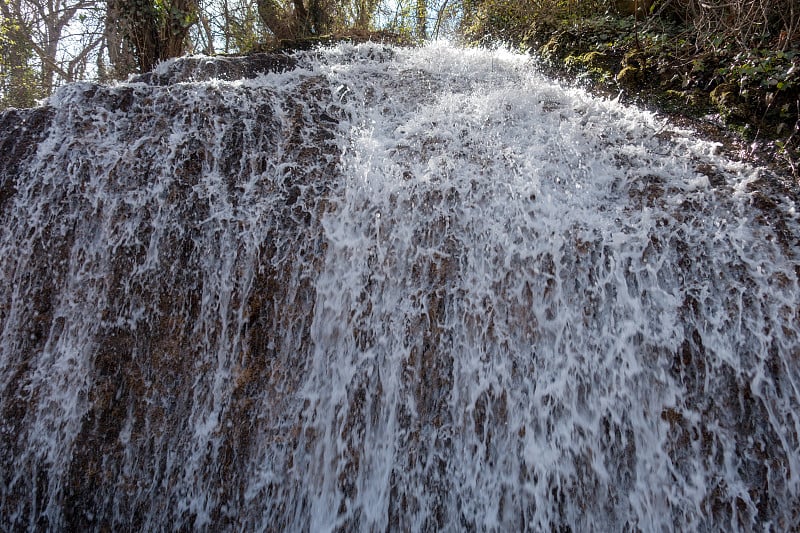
pixel 592 59
pixel 561 45
pixel 724 94
pixel 636 59
pixel 672 100
pixel 630 77
pixel 728 101
pixel 550 49
pixel 596 66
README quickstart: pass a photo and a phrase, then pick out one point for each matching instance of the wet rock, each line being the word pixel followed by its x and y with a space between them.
pixel 20 131
pixel 189 69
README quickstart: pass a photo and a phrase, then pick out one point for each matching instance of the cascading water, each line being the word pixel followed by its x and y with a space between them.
pixel 378 288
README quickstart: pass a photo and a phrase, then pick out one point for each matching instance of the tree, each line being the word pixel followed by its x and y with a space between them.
pixel 282 21
pixel 421 15
pixel 240 28
pixel 362 12
pixel 19 86
pixel 299 18
pixel 42 28
pixel 140 33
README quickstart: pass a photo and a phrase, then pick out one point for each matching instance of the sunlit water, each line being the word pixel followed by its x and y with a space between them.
pixel 392 289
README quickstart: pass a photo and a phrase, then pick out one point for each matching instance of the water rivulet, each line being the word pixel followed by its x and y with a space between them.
pixel 376 288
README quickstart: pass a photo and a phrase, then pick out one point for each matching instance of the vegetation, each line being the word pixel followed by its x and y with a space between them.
pixel 19 86
pixel 140 33
pixel 45 44
pixel 40 48
pixel 735 60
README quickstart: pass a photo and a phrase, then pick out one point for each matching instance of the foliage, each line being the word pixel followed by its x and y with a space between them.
pixel 19 85
pixel 300 18
pixel 742 24
pixel 55 35
pixel 772 70
pixel 140 33
pixel 242 28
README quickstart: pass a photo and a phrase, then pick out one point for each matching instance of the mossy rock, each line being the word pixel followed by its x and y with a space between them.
pixel 635 59
pixel 539 32
pixel 554 49
pixel 595 65
pixel 630 77
pixel 696 98
pixel 726 99
pixel 561 45
pixel 592 59
pixel 724 94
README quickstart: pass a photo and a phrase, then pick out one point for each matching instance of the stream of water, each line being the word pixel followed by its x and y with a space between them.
pixel 390 289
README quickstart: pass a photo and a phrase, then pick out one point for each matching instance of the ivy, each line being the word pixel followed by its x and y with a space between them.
pixel 776 71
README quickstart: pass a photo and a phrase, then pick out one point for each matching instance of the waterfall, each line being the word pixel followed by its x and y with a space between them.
pixel 375 288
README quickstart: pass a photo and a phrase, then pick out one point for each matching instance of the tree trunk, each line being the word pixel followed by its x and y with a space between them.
pixel 139 34
pixel 312 17
pixel 421 12
pixel 132 35
pixel 276 19
pixel 178 18
pixel 319 18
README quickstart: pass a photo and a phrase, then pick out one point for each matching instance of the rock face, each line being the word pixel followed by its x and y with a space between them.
pixel 143 222
pixel 20 132
pixel 195 69
pixel 367 288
